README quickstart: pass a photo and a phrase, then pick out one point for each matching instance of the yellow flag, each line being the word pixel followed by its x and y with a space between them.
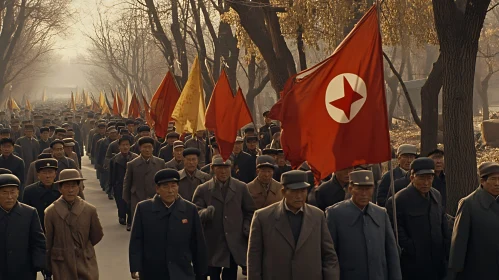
pixel 28 105
pixel 44 96
pixel 190 109
pixel 73 102
pixel 88 100
pixel 102 100
pixel 12 104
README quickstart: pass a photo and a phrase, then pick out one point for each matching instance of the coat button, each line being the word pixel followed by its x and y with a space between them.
pixel 226 217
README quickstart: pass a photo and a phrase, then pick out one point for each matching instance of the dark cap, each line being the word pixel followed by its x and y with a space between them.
pixel 69 142
pixel 218 161
pixel 45 163
pixel 166 175
pixel 143 128
pixel 251 138
pixel 120 124
pixel 280 152
pixel 28 126
pixel 145 140
pixel 6 140
pixel 249 129
pixel 172 135
pixel 295 179
pixel 362 178
pixel 125 138
pixel 111 129
pixel 436 152
pixel 44 155
pixel 44 129
pixel 423 165
pixel 265 161
pixel 4 130
pixel 124 131
pixel 60 130
pixel 266 113
pixel 56 142
pixel 178 144
pixel 191 151
pixel 9 180
pixel 101 125
pixel 130 122
pixel 90 115
pixel 269 151
pixel 5 171
pixel 488 168
pixel 274 130
pixel 52 127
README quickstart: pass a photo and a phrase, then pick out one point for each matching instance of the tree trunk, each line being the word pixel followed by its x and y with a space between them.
pixel 393 84
pixel 458 29
pixel 429 107
pixel 301 49
pixel 484 95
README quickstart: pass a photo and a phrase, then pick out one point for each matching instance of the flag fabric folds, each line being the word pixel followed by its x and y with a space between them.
pixel 334 115
pixel 189 112
pixel 134 109
pixel 73 102
pixel 162 104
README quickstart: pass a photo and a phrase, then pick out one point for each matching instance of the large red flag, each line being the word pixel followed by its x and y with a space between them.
pixel 220 103
pixel 162 104
pixel 134 109
pixel 334 114
pixel 236 117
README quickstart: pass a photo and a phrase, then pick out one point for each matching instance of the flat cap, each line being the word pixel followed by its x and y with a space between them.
pixel 265 161
pixel 488 168
pixel 172 135
pixel 6 140
pixel 68 175
pixel 46 163
pixel 68 142
pixel 362 178
pixel 438 152
pixel 60 130
pixel 5 171
pixel 56 142
pixel 191 151
pixel 269 151
pixel 295 179
pixel 52 127
pixel 123 131
pixel 44 129
pixel 423 165
pixel 130 122
pixel 251 138
pixel 218 161
pixel 266 113
pixel 123 138
pixel 178 144
pixel 44 155
pixel 166 175
pixel 145 140
pixel 101 125
pixel 120 124
pixel 9 180
pixel 249 129
pixel 407 149
pixel 4 130
pixel 143 128
pixel 109 124
pixel 111 129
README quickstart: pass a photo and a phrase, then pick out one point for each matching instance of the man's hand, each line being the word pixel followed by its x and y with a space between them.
pixel 135 275
pixel 211 211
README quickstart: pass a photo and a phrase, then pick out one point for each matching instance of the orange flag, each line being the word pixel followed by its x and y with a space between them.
pixel 147 111
pixel 117 104
pixel 134 109
pixel 162 104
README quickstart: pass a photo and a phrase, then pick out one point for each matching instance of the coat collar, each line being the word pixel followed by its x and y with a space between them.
pixel 415 191
pixel 369 211
pixel 274 186
pixel 159 207
pixel 55 187
pixel 282 225
pixel 486 199
pixel 16 209
pixel 62 209
pixel 183 174
pixel 217 193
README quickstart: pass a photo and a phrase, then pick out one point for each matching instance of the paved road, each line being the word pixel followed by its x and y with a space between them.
pixel 112 251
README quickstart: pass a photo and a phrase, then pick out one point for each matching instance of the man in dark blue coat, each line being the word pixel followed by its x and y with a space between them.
pixel 422 225
pixel 244 164
pixel 22 242
pixel 167 241
pixel 12 162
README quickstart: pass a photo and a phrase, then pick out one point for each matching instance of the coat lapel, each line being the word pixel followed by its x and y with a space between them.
pixel 488 201
pixel 158 207
pixel 231 191
pixel 307 226
pixel 215 192
pixel 282 225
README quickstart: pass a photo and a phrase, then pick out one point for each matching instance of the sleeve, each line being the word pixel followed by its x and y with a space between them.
pixel 199 201
pixel 127 184
pixel 30 176
pixel 330 265
pixel 37 243
pixel 332 227
pixel 136 245
pixel 20 175
pixel 49 234
pixel 198 245
pixel 112 177
pixel 255 249
pixel 392 252
pixel 460 237
pixel 405 242
pixel 248 207
pixel 383 188
pixel 96 232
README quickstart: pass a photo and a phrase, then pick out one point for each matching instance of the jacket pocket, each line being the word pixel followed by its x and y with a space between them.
pixel 57 254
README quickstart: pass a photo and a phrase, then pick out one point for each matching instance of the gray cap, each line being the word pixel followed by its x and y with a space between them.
pixel 178 144
pixel 407 149
pixel 265 161
pixel 488 168
pixel 362 178
pixel 295 179
pixel 423 165
pixel 218 161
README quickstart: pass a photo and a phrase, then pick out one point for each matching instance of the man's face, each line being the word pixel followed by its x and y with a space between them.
pixel 200 134
pixel 15 127
pixel 222 173
pixel 265 174
pixel 251 145
pixel 405 161
pixel 361 195
pixel 422 182
pixel 171 140
pixel 168 192
pixel 113 135
pixel 125 147
pixel 295 199
pixel 8 197
pixel 439 162
pixel 146 150
pixel 145 133
pixel 28 132
pixel 69 190
pixel 281 161
pixel 102 130
pixel 7 149
pixel 343 176
pixel 5 135
pixel 238 147
pixel 60 135
pixel 178 153
pixel 491 185
pixel 58 151
pixel 47 176
pixel 267 120
pixel 44 135
pixel 130 127
pixel 68 150
pixel 191 163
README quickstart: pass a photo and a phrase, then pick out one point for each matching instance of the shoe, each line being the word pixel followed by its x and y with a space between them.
pixel 128 227
pixel 110 196
pixel 122 221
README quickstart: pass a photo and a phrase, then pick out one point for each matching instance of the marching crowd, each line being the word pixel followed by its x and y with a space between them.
pixel 193 215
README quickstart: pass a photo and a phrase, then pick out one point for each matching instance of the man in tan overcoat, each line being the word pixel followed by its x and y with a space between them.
pixel 73 229
pixel 264 189
pixel 290 240
pixel 139 177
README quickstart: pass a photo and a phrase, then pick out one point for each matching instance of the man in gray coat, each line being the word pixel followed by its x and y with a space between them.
pixel 362 234
pixel 474 252
pixel 225 208
pixel 289 240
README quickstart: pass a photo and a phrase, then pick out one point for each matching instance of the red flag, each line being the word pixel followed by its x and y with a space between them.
pixel 334 114
pixel 162 104
pixel 236 117
pixel 147 111
pixel 116 109
pixel 134 109
pixel 220 103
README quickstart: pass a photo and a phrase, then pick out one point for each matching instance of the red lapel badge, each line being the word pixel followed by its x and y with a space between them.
pixel 184 221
